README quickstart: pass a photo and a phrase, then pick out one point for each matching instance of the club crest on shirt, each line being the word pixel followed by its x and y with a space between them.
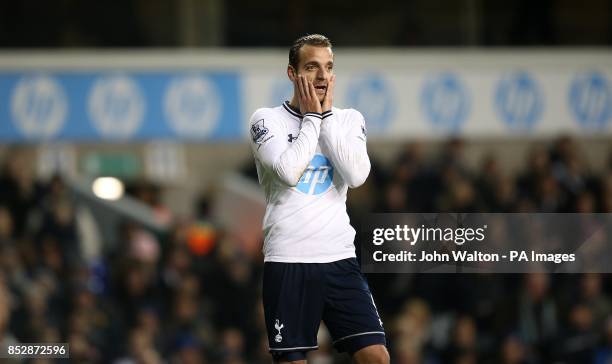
pixel 259 131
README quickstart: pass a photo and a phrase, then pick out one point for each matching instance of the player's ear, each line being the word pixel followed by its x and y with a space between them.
pixel 291 73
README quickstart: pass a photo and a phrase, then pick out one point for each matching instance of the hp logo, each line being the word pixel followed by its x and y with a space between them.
pixel 590 100
pixel 445 101
pixel 373 98
pixel 281 90
pixel 318 176
pixel 117 106
pixel 39 106
pixel 192 105
pixel 519 101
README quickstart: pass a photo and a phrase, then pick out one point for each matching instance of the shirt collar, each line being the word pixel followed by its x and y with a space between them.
pixel 291 110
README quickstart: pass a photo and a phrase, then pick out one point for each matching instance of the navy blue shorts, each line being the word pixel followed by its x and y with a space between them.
pixel 297 296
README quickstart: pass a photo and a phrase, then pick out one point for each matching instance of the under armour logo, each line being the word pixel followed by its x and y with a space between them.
pixel 278 326
pixel 291 138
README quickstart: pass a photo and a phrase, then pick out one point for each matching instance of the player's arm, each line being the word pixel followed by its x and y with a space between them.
pixel 347 148
pixel 270 146
pixel 289 162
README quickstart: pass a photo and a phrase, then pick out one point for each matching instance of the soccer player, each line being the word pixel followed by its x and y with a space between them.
pixel 308 153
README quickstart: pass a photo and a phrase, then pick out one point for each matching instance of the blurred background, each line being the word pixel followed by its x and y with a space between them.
pixel 130 212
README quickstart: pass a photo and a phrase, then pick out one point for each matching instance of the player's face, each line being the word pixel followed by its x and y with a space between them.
pixel 317 64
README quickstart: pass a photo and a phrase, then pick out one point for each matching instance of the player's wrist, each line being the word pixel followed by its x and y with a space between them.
pixel 315 114
pixel 326 106
pixel 311 110
pixel 326 116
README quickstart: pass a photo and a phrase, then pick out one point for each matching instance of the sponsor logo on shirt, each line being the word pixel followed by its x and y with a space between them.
pixel 317 177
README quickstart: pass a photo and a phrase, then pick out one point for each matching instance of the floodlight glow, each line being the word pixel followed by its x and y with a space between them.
pixel 108 188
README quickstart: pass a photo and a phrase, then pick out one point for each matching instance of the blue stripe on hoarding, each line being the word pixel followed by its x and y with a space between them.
pixel 120 106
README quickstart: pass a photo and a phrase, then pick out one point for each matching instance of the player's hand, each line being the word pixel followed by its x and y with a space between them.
pixel 329 94
pixel 307 95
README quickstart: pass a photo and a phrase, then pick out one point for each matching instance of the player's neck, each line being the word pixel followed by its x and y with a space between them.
pixel 294 103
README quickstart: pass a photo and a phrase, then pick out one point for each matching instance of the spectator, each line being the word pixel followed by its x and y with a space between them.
pixel 171 303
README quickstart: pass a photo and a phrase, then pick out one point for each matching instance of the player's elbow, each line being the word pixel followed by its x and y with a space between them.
pixel 287 177
pixel 290 181
pixel 356 181
pixel 358 177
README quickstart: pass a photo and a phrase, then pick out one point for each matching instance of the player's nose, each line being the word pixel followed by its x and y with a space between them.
pixel 323 74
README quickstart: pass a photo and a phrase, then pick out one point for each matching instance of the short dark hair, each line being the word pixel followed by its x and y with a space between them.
pixel 317 40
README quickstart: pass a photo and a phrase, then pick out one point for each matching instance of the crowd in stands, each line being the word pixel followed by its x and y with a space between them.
pixel 167 298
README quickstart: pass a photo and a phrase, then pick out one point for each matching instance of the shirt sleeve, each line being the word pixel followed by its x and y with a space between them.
pixel 287 162
pixel 347 148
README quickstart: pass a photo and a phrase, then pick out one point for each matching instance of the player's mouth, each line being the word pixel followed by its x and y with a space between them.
pixel 321 89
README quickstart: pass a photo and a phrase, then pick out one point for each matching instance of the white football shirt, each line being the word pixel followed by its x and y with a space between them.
pixel 305 164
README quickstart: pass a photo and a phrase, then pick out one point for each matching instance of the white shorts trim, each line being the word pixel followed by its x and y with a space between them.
pixel 296 348
pixel 322 259
pixel 360 334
